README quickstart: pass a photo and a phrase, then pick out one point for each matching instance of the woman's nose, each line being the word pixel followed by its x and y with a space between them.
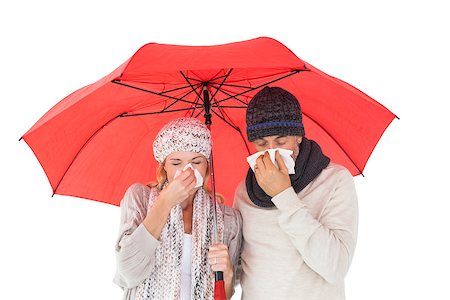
pixel 183 165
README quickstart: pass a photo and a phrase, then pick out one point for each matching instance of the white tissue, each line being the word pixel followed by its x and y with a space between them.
pixel 285 155
pixel 197 174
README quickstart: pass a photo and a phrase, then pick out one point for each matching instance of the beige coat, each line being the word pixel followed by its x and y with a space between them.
pixel 302 248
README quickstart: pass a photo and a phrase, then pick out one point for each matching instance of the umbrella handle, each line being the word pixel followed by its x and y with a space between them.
pixel 219 286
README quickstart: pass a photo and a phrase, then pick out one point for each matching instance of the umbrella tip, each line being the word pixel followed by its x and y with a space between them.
pixel 362 174
pixel 397 117
pixel 20 138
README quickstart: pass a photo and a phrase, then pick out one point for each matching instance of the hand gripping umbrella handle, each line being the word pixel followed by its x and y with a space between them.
pixel 219 286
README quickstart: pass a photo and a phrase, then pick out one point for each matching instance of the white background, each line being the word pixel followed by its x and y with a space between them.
pixel 395 51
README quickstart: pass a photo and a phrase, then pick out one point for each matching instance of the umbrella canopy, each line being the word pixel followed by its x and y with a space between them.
pixel 98 140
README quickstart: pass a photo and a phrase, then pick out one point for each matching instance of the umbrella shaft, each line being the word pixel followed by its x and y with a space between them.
pixel 213 190
pixel 207 106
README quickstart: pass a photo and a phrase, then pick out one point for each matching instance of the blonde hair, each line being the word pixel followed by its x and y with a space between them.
pixel 161 178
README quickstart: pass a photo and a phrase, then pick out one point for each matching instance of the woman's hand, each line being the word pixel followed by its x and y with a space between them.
pixel 180 188
pixel 177 191
pixel 271 179
pixel 219 259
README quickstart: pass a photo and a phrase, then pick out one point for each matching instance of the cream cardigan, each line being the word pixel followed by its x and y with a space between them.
pixel 135 247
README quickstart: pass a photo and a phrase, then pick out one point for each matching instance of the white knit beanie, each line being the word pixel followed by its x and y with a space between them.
pixel 183 134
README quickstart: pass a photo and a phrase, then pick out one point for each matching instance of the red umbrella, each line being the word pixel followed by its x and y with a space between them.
pixel 98 140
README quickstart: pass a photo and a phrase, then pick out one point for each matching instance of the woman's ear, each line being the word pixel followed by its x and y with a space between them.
pixel 299 139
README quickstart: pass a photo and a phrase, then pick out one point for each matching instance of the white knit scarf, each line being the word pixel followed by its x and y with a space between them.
pixel 165 280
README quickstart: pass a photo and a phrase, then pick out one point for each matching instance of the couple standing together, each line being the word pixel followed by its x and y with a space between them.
pixel 293 236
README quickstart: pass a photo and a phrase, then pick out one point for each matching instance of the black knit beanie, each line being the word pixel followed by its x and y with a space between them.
pixel 273 111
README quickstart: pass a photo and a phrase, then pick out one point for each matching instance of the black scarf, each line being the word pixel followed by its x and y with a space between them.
pixel 309 164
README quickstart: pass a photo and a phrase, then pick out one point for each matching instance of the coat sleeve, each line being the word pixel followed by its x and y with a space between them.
pixel 326 244
pixel 233 236
pixel 135 247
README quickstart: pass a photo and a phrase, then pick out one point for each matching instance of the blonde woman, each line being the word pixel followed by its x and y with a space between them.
pixel 165 247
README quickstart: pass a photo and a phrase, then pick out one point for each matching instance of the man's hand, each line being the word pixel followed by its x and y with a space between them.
pixel 271 179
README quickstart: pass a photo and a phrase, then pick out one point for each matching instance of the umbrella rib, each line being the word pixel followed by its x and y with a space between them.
pixel 244 87
pixel 164 92
pixel 196 102
pixel 265 84
pixel 151 92
pixel 219 108
pixel 156 112
pixel 190 84
pixel 233 126
pixel 224 115
pixel 221 84
pixel 243 138
pixel 219 77
pixel 165 108
pixel 173 103
pixel 213 98
pixel 334 140
pixel 238 86
pixel 228 106
pixel 230 96
pixel 195 79
pixel 247 87
pixel 173 90
pixel 202 110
